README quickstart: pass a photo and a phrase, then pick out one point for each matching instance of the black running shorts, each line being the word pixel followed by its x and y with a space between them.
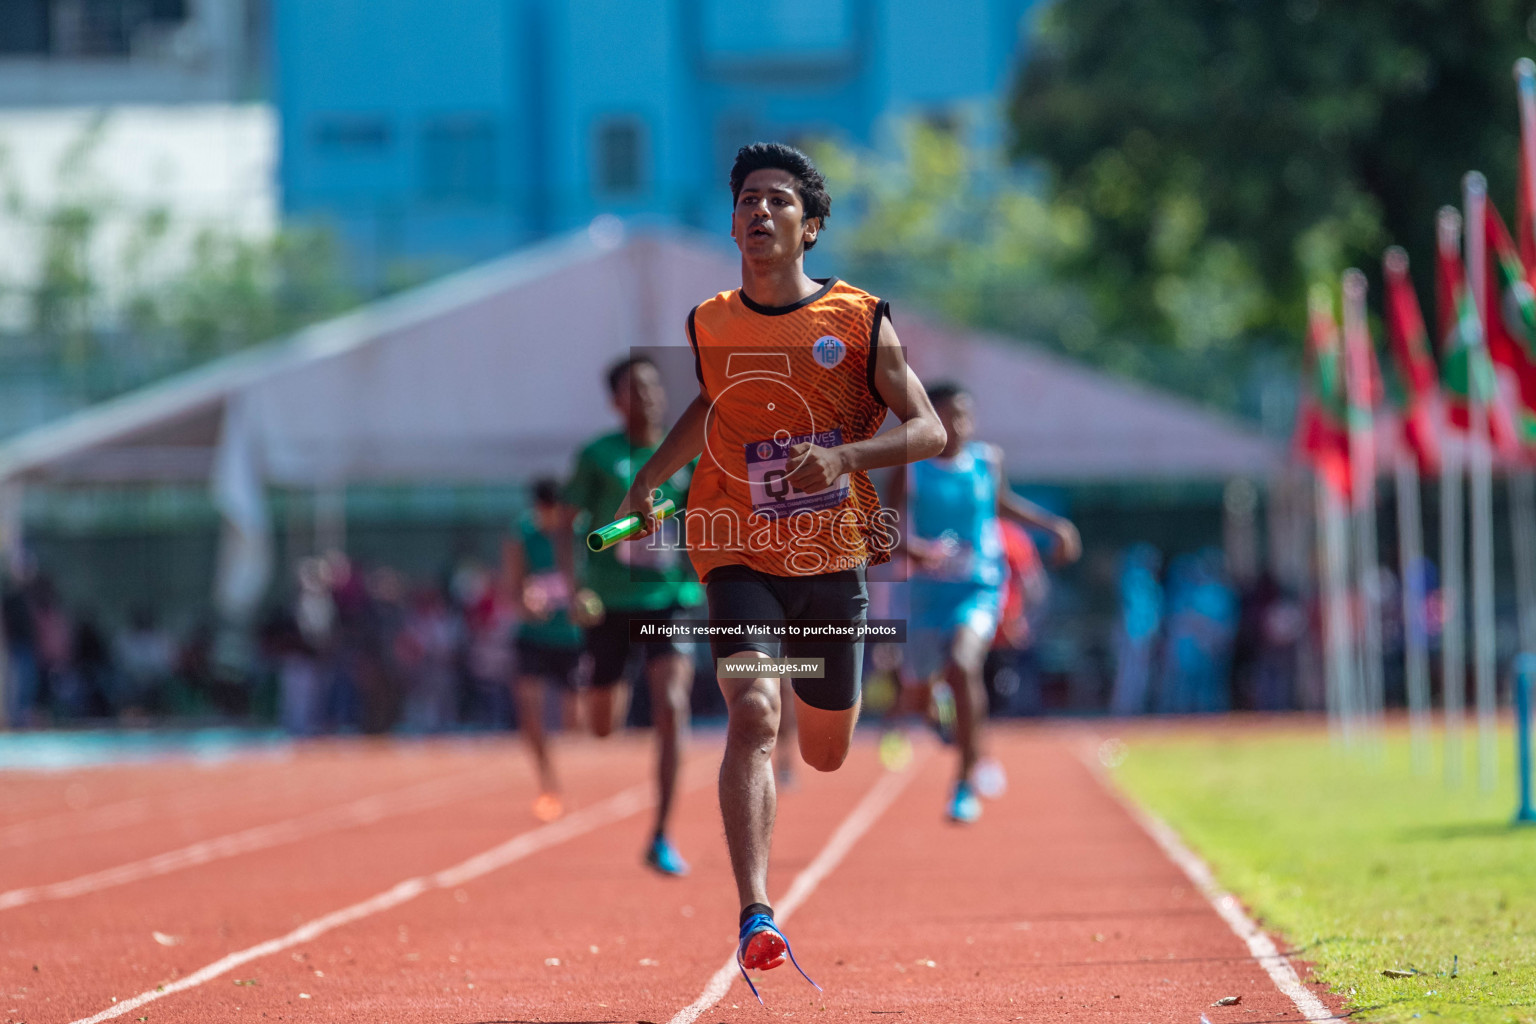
pixel 556 665
pixel 613 653
pixel 736 592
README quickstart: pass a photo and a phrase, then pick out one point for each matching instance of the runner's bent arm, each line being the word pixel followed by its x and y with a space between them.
pixel 919 436
pixel 514 573
pixel 681 446
pixel 1010 506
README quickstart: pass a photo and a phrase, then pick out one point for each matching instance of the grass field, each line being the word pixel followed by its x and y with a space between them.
pixel 1362 864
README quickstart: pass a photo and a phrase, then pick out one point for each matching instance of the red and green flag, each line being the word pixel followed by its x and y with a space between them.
pixel 1511 334
pixel 1466 371
pixel 1417 376
pixel 1322 424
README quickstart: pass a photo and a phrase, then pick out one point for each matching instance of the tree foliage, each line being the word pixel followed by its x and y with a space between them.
pixel 1226 153
pixel 952 228
pixel 99 270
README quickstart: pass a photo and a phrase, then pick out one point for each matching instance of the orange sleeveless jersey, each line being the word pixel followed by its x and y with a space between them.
pixel 776 377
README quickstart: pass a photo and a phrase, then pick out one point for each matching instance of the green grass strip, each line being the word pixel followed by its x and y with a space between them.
pixel 1361 863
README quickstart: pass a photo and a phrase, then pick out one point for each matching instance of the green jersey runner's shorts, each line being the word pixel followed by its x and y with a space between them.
pixel 615 655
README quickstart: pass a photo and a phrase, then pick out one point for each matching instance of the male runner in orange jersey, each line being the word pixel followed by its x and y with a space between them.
pixel 795 376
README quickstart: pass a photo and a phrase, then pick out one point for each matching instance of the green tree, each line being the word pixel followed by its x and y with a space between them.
pixel 953 229
pixel 1227 153
pixel 189 299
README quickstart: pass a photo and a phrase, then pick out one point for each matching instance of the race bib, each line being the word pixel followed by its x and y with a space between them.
pixel 768 476
pixel 661 551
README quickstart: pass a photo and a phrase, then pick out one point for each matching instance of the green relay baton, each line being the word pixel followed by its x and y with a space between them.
pixel 605 537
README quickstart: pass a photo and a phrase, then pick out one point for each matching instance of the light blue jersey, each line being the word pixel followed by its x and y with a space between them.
pixel 954 502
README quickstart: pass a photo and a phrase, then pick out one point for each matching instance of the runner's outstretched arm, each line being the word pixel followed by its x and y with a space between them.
pixel 919 436
pixel 1010 506
pixel 681 446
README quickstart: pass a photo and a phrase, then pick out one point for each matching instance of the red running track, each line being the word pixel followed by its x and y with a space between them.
pixel 457 907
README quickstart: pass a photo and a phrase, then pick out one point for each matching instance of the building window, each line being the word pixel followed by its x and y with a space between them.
pixel 777 30
pixel 458 159
pixel 620 157
pixel 84 28
pixel 24 29
pixel 352 134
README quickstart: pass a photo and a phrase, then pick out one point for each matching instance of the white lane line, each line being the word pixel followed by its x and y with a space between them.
pixel 135 810
pixel 366 811
pixel 1260 945
pixel 615 808
pixel 62 825
pixel 859 820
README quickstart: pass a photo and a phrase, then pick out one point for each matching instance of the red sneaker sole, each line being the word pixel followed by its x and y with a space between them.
pixel 765 951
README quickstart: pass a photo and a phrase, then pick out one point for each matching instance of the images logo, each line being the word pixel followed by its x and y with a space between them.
pixel 828 351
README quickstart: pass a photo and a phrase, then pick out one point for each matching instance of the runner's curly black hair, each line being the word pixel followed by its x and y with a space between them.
pixel 811 186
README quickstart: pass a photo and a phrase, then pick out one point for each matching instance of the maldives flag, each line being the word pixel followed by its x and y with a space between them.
pixel 1322 423
pixel 1418 377
pixel 1511 334
pixel 1466 371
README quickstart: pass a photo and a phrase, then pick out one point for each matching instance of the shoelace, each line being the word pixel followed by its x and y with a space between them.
pixel 754 924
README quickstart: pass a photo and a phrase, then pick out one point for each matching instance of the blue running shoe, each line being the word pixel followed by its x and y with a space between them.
pixel 762 948
pixel 663 856
pixel 965 808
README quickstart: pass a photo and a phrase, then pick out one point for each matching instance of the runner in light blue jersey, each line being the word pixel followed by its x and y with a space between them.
pixel 953 538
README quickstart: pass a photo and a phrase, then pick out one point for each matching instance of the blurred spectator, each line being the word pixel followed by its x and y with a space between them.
pixel 1202 619
pixel 426 652
pixel 300 685
pixel 378 677
pixel 146 657
pixel 55 648
pixel 22 682
pixel 488 657
pixel 93 676
pixel 195 686
pixel 1267 647
pixel 1141 622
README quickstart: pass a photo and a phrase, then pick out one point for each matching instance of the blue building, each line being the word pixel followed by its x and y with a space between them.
pixel 447 131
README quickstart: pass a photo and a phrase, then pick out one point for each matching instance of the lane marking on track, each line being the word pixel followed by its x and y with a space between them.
pixel 1227 906
pixel 615 808
pixel 880 796
pixel 365 811
pixel 212 792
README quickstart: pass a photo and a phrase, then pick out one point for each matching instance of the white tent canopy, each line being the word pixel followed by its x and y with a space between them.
pixel 494 375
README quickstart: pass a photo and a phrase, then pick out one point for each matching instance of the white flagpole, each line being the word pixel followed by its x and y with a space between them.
pixel 1480 483
pixel 1338 659
pixel 1362 457
pixel 1410 560
pixel 1453 658
pixel 1522 485
pixel 1522 528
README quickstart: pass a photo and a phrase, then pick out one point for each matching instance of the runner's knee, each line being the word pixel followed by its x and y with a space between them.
pixel 825 757
pixel 754 716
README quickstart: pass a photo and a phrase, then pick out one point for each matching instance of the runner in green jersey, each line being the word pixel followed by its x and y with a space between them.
pixel 653 580
pixel 548 643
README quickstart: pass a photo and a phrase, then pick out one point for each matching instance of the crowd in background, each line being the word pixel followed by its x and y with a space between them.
pixel 361 649
pixel 65 667
pixel 1190 640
